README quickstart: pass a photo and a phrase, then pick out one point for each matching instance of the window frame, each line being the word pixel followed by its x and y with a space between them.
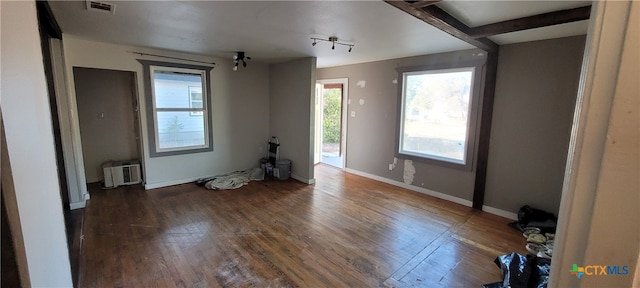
pixel 152 111
pixel 472 121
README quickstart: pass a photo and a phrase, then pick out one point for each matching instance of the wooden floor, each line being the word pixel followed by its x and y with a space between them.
pixel 344 231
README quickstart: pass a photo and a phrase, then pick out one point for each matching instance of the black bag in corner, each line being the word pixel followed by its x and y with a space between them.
pixel 532 217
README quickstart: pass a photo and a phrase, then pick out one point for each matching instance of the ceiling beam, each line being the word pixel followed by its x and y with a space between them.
pixel 424 3
pixel 442 20
pixel 536 21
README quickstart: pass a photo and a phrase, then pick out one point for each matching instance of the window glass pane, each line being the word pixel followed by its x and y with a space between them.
pixel 180 129
pixel 436 114
pixel 172 89
pixel 196 97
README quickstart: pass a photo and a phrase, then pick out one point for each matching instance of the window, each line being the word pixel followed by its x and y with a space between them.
pixel 178 110
pixel 195 99
pixel 437 114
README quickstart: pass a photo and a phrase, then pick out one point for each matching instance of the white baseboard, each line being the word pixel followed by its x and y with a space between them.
pixel 80 204
pixel 303 180
pixel 413 188
pixel 77 205
pixel 499 212
pixel 149 186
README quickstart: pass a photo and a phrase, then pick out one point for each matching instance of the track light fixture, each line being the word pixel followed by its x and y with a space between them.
pixel 240 57
pixel 334 41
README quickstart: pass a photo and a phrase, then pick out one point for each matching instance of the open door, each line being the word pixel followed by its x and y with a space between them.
pixel 331 122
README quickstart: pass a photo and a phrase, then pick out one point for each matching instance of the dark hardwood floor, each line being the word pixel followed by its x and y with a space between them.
pixel 74 224
pixel 344 231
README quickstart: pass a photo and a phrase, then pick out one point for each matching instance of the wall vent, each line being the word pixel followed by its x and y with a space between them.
pixel 101 7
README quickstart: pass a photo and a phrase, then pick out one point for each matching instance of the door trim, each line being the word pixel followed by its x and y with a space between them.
pixel 345 104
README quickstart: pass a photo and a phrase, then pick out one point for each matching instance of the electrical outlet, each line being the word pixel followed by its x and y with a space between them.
pixel 390 166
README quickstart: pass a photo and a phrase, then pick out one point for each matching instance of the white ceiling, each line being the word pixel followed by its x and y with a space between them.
pixel 272 31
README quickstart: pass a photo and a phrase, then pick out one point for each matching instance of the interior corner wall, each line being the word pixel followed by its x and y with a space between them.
pixel 240 110
pixel 536 89
pixel 30 144
pixel 372 127
pixel 601 204
pixel 292 94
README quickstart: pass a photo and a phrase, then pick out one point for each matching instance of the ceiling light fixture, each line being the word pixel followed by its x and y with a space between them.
pixel 240 57
pixel 334 41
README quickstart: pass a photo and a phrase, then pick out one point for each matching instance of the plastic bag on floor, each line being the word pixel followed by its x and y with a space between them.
pixel 519 271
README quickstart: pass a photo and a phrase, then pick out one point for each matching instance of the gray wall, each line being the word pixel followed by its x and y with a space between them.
pixel 105 108
pixel 292 90
pixel 534 103
pixel 535 96
pixel 372 132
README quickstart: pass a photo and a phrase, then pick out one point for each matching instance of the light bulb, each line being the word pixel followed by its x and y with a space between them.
pixel 235 68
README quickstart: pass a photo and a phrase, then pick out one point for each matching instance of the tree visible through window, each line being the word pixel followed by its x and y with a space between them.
pixel 435 114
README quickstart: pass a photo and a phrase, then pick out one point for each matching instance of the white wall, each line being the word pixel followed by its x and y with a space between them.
pixel 240 110
pixel 600 204
pixel 30 143
pixel 292 118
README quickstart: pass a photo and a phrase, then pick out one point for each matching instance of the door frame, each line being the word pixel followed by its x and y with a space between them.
pixel 135 110
pixel 343 116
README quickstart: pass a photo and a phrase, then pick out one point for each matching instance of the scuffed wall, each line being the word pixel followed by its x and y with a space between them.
pixel 371 126
pixel 534 101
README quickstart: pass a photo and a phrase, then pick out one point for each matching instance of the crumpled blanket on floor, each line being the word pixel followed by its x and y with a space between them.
pixel 235 180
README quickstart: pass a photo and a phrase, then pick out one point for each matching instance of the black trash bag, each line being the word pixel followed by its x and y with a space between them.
pixel 515 272
pixel 532 217
pixel 540 274
pixel 519 271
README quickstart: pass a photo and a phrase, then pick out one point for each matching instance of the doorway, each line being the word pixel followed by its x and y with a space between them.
pixel 331 122
pixel 108 117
